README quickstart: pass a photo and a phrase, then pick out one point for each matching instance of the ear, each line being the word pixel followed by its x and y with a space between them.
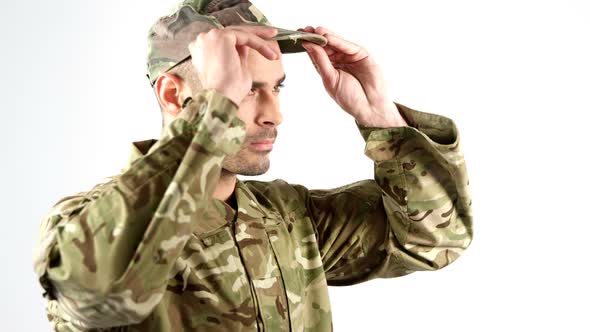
pixel 170 93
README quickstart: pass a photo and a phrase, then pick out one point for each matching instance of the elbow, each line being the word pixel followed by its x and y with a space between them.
pixel 440 257
pixel 104 309
pixel 447 247
pixel 90 301
pixel 91 294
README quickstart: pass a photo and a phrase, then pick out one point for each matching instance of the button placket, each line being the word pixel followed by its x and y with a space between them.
pixel 262 268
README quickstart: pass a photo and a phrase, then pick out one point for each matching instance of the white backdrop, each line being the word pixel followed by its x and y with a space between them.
pixel 514 75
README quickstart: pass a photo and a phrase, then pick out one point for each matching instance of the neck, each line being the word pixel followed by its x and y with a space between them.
pixel 225 186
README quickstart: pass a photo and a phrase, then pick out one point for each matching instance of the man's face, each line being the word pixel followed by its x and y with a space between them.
pixel 260 112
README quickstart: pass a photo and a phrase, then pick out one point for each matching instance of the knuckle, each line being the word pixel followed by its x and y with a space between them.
pixel 227 35
pixel 256 38
pixel 216 33
pixel 219 35
pixel 323 30
pixel 200 37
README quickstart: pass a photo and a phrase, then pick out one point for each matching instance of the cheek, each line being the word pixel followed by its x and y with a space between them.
pixel 246 113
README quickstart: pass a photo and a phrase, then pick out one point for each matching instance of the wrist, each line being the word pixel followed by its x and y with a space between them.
pixel 383 119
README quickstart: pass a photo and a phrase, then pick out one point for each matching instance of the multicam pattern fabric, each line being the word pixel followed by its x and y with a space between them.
pixel 149 249
pixel 169 37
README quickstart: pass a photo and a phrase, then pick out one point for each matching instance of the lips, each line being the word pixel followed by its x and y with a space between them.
pixel 266 141
pixel 264 145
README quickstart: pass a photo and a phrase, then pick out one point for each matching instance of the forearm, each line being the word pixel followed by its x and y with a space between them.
pixel 422 174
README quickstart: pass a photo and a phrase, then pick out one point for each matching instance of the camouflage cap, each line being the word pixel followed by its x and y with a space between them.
pixel 169 37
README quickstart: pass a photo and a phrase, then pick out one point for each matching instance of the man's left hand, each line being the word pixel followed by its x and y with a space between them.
pixel 353 79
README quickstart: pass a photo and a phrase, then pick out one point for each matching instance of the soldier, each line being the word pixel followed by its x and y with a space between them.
pixel 175 242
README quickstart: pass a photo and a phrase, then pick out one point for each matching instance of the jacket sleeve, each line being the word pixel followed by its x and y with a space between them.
pixel 414 215
pixel 103 256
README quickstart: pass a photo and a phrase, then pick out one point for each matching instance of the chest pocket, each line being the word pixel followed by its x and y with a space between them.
pixel 210 288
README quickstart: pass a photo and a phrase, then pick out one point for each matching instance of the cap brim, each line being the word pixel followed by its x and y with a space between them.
pixel 290 40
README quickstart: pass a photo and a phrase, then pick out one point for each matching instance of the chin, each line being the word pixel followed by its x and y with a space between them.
pixel 251 172
pixel 247 171
pixel 246 165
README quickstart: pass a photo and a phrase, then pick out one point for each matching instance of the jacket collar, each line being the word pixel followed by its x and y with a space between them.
pixel 249 204
pixel 139 149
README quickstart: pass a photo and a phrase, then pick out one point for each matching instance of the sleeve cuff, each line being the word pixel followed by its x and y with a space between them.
pixel 214 122
pixel 436 130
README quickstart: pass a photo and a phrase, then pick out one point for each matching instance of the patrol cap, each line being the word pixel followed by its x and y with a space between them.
pixel 169 37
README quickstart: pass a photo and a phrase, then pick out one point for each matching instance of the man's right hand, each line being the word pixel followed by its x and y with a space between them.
pixel 220 57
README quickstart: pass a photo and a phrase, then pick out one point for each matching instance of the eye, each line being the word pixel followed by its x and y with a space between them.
pixel 278 87
pixel 251 93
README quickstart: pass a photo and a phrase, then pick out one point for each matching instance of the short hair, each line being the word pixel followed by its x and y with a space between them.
pixel 187 72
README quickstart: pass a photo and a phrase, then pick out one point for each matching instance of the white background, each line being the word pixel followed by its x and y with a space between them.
pixel 514 75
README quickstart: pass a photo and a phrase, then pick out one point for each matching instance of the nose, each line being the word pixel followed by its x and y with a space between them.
pixel 268 112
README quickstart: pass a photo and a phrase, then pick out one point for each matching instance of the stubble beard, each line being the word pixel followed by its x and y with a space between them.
pixel 247 162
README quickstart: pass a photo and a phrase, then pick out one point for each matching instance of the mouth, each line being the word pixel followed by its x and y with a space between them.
pixel 264 145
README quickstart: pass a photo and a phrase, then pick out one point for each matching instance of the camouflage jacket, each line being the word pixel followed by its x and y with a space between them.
pixel 149 249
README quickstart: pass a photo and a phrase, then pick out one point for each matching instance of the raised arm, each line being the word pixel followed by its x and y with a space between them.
pixel 414 215
pixel 104 255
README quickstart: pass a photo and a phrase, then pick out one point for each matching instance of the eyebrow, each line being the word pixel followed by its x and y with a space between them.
pixel 256 84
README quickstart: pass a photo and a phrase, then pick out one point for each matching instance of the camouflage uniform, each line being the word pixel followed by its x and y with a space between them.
pixel 151 250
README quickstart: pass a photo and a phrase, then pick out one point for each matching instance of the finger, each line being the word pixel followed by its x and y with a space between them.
pixel 343 45
pixel 263 32
pixel 259 30
pixel 330 50
pixel 308 28
pixel 320 30
pixel 255 42
pixel 336 42
pixel 321 61
pixel 243 52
